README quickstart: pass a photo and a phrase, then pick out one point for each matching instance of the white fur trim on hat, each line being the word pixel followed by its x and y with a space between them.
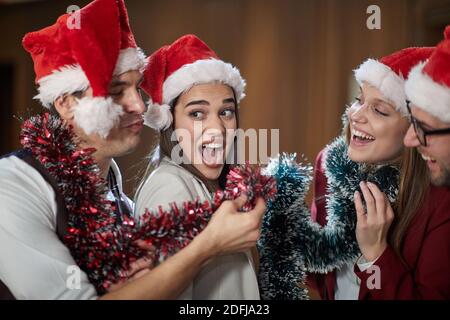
pixel 97 115
pixel 428 95
pixel 130 59
pixel 68 79
pixel 390 84
pixel 158 116
pixel 71 78
pixel 201 72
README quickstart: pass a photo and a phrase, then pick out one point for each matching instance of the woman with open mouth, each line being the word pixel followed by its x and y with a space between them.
pixel 194 105
pixel 373 197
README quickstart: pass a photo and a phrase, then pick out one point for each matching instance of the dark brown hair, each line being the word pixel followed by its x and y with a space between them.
pixel 165 145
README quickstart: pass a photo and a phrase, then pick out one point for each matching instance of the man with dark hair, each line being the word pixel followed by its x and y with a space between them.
pixel 91 76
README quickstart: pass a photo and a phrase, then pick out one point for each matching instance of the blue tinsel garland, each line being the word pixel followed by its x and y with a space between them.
pixel 291 243
pixel 281 264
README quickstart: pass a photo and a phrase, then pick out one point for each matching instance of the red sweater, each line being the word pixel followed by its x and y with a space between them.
pixel 426 251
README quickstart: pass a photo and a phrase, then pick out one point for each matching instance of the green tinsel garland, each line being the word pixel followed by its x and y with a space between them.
pixel 291 243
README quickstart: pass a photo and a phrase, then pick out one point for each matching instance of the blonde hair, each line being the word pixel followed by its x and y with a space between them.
pixel 414 182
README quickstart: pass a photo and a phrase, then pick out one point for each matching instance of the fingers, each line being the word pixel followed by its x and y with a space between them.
pixel 385 214
pixel 379 209
pixel 229 231
pixel 260 208
pixel 129 275
pixel 145 245
pixel 360 211
pixel 372 228
pixel 140 274
pixel 139 265
pixel 151 250
pixel 370 202
pixel 254 217
pixel 380 200
pixel 389 212
pixel 239 202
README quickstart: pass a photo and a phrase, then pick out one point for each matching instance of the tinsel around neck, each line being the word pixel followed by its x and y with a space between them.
pixel 335 244
pixel 344 175
pixel 291 243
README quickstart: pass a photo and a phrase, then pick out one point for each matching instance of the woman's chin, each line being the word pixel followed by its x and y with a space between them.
pixel 374 156
pixel 210 171
pixel 358 156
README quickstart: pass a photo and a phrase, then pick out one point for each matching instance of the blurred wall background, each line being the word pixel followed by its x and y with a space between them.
pixel 297 56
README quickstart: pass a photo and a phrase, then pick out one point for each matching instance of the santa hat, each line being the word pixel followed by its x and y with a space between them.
pixel 70 57
pixel 389 73
pixel 174 69
pixel 428 85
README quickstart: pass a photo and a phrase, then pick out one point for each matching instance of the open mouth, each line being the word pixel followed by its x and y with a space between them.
pixel 432 164
pixel 361 138
pixel 212 153
pixel 428 159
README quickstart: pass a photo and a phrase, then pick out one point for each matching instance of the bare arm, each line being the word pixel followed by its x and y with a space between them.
pixel 228 231
pixel 169 279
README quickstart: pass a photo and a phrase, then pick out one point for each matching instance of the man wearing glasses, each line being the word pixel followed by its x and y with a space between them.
pixel 428 89
pixel 432 144
pixel 424 273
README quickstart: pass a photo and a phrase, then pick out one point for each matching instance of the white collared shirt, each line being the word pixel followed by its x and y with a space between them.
pixel 34 263
pixel 347 282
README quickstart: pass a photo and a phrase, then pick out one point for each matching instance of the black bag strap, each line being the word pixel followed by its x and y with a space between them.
pixel 5 294
pixel 122 205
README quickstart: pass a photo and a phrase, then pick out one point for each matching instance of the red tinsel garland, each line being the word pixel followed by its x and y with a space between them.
pixel 101 245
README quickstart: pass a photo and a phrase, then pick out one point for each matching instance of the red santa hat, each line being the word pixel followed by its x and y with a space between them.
pixel 175 68
pixel 70 57
pixel 389 73
pixel 428 85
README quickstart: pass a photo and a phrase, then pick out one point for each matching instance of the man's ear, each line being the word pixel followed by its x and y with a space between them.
pixel 64 106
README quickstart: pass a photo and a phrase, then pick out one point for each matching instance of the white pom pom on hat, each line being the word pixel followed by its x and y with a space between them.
pixel 173 69
pixel 67 60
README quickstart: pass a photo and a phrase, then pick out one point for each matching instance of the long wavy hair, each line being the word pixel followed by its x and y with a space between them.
pixel 414 183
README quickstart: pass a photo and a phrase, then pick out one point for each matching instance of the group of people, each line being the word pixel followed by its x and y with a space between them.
pixel 91 79
pixel 400 118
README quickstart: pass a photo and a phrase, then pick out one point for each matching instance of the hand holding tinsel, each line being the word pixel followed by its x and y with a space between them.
pixel 171 230
pixel 291 243
pixel 101 244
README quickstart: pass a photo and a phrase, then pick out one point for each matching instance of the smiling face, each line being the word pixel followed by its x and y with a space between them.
pixel 377 129
pixel 437 152
pixel 206 113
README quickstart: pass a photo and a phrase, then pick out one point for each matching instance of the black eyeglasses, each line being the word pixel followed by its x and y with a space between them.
pixel 421 132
